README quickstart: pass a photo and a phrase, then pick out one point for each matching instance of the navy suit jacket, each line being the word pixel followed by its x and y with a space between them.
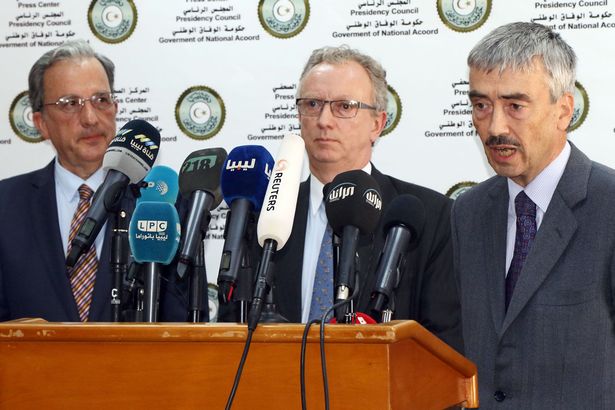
pixel 427 292
pixel 33 276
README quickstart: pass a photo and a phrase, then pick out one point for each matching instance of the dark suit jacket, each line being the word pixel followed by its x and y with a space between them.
pixel 33 277
pixel 427 292
pixel 555 346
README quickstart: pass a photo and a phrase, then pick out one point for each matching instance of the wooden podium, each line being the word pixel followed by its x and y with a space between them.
pixel 398 365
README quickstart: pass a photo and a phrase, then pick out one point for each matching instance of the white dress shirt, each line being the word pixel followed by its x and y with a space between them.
pixel 67 199
pixel 540 191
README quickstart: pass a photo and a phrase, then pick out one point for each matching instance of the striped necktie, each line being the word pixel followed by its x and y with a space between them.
pixel 83 274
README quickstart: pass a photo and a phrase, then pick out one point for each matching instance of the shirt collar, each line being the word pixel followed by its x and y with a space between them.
pixel 67 183
pixel 541 189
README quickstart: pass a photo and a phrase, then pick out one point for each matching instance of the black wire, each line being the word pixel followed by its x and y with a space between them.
pixel 323 359
pixel 302 366
pixel 244 356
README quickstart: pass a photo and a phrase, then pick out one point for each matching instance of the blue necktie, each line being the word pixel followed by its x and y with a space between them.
pixel 526 231
pixel 322 294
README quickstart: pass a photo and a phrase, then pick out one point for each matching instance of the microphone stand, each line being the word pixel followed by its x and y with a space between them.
pixel 270 312
pixel 152 291
pixel 198 279
pixel 198 275
pixel 119 261
pixel 245 285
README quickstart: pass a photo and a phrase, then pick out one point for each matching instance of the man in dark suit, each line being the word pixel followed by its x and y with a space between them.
pixel 73 107
pixel 534 245
pixel 342 100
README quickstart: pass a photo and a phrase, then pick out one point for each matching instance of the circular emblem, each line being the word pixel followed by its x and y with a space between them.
pixel 393 111
pixel 212 299
pixel 463 15
pixel 283 18
pixel 200 112
pixel 20 117
pixel 112 21
pixel 581 107
pixel 459 189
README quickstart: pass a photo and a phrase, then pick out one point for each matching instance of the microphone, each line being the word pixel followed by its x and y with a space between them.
pixel 277 215
pixel 353 206
pixel 154 234
pixel 159 185
pixel 199 182
pixel 243 182
pixel 129 157
pixel 403 224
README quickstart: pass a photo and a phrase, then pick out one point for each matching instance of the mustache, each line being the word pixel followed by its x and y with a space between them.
pixel 501 140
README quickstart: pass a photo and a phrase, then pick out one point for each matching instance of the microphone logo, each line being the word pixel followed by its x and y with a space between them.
pixel 144 139
pixel 372 197
pixel 240 165
pixel 152 226
pixel 198 163
pixel 267 170
pixel 281 165
pixel 161 187
pixel 341 191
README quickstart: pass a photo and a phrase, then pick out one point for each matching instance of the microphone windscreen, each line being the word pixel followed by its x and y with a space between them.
pixel 154 232
pixel 406 210
pixel 133 150
pixel 201 172
pixel 354 199
pixel 160 185
pixel 246 174
pixel 278 211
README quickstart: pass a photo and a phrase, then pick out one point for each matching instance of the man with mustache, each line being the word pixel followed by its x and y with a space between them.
pixel 534 246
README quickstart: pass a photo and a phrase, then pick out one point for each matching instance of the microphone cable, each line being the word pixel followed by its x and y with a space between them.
pixel 244 356
pixel 323 358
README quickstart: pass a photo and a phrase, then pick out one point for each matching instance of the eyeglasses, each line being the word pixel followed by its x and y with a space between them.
pixel 74 103
pixel 312 107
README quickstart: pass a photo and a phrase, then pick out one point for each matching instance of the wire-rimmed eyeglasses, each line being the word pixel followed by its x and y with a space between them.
pixel 312 107
pixel 74 103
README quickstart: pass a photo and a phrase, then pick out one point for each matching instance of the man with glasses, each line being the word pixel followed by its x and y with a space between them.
pixel 342 99
pixel 71 93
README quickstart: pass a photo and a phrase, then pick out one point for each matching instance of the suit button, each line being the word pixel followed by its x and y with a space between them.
pixel 499 395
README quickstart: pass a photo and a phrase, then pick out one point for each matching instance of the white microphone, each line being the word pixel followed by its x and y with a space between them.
pixel 275 222
pixel 278 212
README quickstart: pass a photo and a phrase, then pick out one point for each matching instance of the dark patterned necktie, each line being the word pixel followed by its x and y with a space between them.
pixel 526 231
pixel 322 293
pixel 83 274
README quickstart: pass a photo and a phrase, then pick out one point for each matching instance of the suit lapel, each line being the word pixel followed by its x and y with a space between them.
pixel 558 226
pixel 289 261
pixel 46 235
pixel 494 230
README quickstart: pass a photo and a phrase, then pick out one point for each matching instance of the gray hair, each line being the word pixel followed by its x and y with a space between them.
pixel 513 46
pixel 77 49
pixel 342 54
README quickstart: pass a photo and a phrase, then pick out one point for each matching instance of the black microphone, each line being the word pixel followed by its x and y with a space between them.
pixel 199 182
pixel 353 206
pixel 403 224
pixel 129 158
